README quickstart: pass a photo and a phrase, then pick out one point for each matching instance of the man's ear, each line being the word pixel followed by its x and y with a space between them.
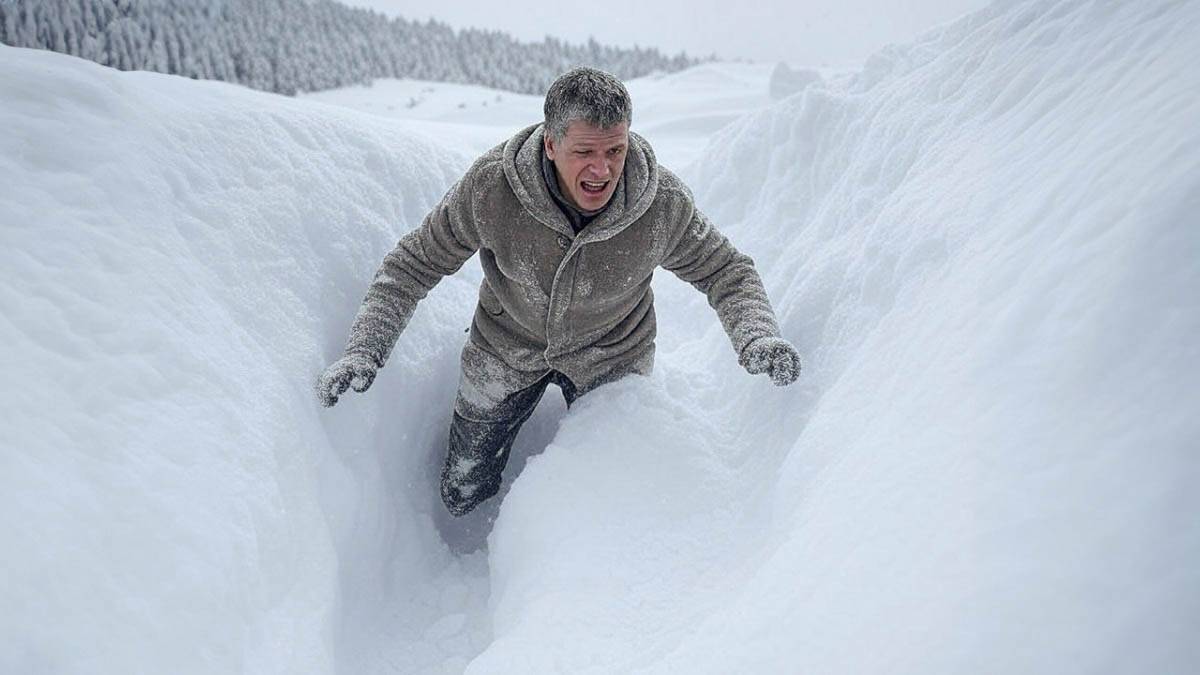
pixel 548 144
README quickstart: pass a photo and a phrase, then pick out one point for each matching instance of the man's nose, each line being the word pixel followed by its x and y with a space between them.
pixel 599 169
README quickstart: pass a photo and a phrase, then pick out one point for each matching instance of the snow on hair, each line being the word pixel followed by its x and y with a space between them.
pixel 586 94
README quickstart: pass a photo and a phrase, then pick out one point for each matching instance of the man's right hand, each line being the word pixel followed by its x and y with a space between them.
pixel 354 370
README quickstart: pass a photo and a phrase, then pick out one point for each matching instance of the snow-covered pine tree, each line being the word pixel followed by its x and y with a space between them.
pixel 287 46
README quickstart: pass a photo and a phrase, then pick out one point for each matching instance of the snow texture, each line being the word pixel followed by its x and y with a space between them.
pixel 984 245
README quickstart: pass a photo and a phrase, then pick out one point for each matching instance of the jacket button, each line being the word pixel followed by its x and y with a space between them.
pixel 563 242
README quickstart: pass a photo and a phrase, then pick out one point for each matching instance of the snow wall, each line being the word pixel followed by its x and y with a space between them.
pixel 180 259
pixel 985 245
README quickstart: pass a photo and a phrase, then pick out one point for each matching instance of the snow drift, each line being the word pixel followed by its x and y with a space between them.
pixel 984 243
pixel 180 259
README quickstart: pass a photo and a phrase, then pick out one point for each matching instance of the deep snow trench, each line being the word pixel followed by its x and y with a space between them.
pixel 984 244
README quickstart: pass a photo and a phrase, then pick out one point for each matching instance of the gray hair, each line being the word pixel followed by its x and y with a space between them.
pixel 588 95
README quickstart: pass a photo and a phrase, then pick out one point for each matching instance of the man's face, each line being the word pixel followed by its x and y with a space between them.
pixel 589 161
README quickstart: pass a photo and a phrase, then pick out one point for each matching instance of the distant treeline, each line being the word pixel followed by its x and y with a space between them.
pixel 288 46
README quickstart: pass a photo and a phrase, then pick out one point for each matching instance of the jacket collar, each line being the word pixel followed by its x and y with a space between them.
pixel 635 190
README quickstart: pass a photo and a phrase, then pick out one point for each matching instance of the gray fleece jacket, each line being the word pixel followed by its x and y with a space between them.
pixel 552 299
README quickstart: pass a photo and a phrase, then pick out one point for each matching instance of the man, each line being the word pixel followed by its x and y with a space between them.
pixel 570 218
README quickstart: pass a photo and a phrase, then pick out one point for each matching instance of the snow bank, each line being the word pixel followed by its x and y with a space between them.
pixel 468 117
pixel 679 112
pixel 986 246
pixel 180 259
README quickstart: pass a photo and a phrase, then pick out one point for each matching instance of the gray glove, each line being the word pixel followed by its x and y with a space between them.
pixel 354 370
pixel 774 356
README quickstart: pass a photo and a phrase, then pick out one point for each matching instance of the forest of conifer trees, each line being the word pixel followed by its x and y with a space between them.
pixel 290 46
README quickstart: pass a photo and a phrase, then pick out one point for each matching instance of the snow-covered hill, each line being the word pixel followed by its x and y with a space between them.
pixel 985 245
pixel 679 112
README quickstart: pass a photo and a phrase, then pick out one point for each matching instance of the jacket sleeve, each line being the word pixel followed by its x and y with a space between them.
pixel 706 259
pixel 446 239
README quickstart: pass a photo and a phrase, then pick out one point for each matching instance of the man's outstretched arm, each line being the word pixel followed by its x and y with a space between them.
pixel 446 239
pixel 707 260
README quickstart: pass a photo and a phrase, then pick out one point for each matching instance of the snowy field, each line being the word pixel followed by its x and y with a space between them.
pixel 985 245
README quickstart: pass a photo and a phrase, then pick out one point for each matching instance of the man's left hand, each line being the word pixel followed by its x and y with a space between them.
pixel 774 356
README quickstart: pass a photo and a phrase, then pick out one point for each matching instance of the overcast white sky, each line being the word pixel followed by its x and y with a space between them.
pixel 801 32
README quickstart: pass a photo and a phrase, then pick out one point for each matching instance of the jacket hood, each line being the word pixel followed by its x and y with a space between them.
pixel 635 191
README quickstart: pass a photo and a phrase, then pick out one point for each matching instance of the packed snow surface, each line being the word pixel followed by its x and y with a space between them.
pixel 984 244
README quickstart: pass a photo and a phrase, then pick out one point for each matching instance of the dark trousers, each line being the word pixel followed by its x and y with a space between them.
pixel 479 450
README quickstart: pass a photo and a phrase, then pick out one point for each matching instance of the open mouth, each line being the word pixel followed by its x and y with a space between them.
pixel 592 188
